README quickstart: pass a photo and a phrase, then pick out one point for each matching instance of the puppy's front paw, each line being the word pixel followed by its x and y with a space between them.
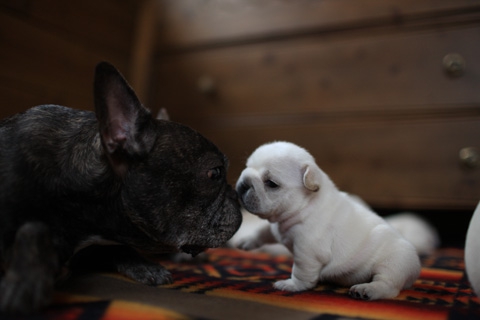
pixel 149 274
pixel 290 285
pixel 373 291
pixel 361 291
pixel 249 243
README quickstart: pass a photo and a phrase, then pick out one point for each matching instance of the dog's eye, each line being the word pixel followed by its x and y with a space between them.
pixel 215 173
pixel 271 184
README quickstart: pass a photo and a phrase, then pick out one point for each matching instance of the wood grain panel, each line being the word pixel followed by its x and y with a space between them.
pixel 391 164
pixel 187 23
pixel 43 60
pixel 381 73
pixel 106 25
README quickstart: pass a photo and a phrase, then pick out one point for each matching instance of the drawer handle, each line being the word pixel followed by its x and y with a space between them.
pixel 454 65
pixel 470 157
pixel 207 86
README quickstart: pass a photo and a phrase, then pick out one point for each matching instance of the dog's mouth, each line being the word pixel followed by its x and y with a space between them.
pixel 193 250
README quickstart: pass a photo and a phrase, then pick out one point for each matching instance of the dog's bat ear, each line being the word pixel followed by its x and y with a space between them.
pixel 311 177
pixel 163 114
pixel 123 121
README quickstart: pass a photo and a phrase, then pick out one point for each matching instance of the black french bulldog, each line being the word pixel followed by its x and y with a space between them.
pixel 71 178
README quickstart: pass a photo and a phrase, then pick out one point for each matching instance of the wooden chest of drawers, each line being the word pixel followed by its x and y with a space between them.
pixel 384 94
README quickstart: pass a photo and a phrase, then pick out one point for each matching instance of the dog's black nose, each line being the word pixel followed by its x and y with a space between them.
pixel 232 194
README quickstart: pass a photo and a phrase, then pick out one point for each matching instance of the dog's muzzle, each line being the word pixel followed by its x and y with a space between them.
pixel 193 250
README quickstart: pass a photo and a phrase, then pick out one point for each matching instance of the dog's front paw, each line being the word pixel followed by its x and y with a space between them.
pixel 23 294
pixel 149 274
pixel 28 282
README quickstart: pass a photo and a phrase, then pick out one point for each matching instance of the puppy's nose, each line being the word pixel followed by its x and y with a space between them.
pixel 242 188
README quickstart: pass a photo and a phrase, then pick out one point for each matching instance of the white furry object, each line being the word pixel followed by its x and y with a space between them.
pixel 417 231
pixel 472 251
pixel 332 237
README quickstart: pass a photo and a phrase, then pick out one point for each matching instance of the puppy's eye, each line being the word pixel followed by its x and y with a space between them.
pixel 215 173
pixel 270 184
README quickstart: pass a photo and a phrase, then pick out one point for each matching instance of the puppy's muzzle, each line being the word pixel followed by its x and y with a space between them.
pixel 242 188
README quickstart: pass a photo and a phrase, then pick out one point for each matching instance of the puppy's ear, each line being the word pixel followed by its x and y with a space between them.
pixel 123 121
pixel 311 177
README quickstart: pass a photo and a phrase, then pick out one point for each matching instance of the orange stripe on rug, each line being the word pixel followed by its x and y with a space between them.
pixel 124 310
pixel 443 274
pixel 343 306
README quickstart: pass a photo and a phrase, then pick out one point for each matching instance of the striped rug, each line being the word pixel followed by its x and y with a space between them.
pixel 441 292
pixel 242 282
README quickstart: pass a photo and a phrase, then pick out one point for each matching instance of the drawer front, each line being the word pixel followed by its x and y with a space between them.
pixel 380 111
pixel 385 73
pixel 393 164
pixel 187 23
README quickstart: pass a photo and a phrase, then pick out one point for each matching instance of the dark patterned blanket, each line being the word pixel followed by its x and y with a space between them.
pixel 231 284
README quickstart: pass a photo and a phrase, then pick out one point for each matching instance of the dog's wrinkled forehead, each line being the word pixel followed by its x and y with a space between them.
pixel 281 162
pixel 193 146
pixel 278 152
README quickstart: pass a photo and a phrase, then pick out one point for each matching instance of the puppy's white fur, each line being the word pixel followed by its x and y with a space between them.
pixel 251 224
pixel 332 237
pixel 422 235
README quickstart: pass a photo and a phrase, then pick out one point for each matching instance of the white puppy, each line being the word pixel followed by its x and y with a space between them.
pixel 331 236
